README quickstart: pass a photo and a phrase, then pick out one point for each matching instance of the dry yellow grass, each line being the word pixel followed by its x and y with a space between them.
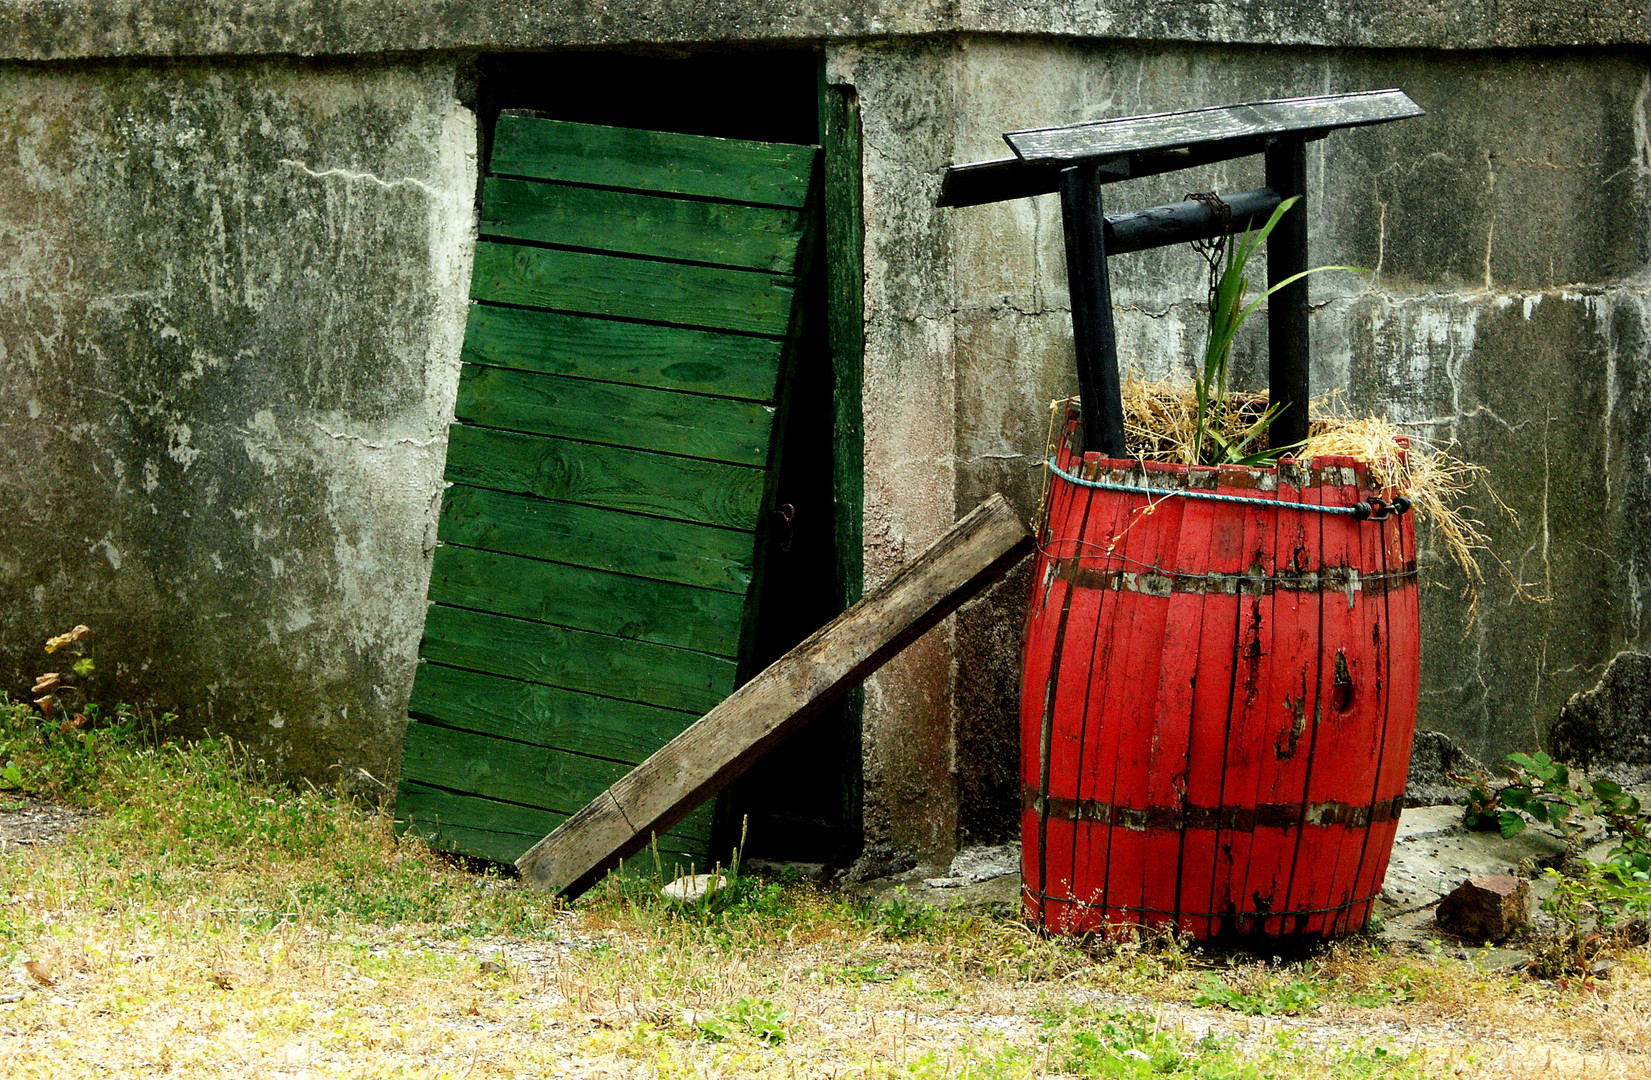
pixel 211 924
pixel 644 994
pixel 620 989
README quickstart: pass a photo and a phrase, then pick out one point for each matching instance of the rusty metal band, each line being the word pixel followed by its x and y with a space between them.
pixel 1188 493
pixel 1101 905
pixel 1155 582
pixel 1225 818
pixel 1137 478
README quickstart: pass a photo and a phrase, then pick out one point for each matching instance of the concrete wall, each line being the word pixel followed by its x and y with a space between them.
pixel 30 29
pixel 1507 234
pixel 231 298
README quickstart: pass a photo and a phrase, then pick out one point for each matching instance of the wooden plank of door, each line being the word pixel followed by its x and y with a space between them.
pixel 709 297
pixel 632 223
pixel 662 612
pixel 541 715
pixel 636 354
pixel 708 492
pixel 722 744
pixel 709 556
pixel 576 659
pixel 426 808
pixel 738 170
pixel 496 768
pixel 717 429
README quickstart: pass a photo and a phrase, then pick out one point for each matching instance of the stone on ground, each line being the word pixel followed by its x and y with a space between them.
pixel 692 888
pixel 1486 908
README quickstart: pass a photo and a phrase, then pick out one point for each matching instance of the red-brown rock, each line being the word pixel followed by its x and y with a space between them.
pixel 1486 908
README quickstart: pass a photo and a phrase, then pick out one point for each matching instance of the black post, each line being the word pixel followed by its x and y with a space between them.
pixel 1286 173
pixel 1092 331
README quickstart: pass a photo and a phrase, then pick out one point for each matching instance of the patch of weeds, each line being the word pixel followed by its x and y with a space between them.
pixel 1271 997
pixel 1594 912
pixel 1123 1044
pixel 207 819
pixel 59 744
pixel 748 912
pixel 1596 908
pixel 1127 1044
pixel 975 1063
pixel 872 971
pixel 761 1020
pixel 902 917
pixel 1372 997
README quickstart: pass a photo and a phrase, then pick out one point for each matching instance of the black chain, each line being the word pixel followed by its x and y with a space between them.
pixel 1214 250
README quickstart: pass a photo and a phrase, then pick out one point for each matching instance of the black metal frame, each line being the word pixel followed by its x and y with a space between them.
pixel 1076 160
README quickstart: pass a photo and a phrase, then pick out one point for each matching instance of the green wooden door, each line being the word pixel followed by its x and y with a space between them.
pixel 637 298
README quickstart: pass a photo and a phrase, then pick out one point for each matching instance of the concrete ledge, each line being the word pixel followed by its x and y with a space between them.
pixel 70 29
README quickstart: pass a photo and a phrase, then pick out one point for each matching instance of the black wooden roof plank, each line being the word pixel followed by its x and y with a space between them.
pixel 1213 125
pixel 1011 178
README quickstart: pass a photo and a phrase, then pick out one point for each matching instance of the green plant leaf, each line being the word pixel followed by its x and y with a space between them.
pixel 1291 280
pixel 1227 315
pixel 1510 823
pixel 83 666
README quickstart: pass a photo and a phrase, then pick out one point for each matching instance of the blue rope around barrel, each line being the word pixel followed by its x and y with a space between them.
pixel 1374 510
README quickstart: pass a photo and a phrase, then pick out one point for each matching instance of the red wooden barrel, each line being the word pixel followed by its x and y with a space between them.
pixel 1218 699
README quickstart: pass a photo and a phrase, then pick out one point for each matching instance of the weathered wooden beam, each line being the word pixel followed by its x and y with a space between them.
pixel 1287 331
pixel 1094 338
pixel 725 741
pixel 1222 123
pixel 981 182
pixel 1184 222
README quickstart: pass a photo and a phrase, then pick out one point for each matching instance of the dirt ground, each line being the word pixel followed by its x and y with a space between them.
pixel 26 821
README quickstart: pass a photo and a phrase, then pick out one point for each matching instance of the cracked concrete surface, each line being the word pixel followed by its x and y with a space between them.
pixel 234 299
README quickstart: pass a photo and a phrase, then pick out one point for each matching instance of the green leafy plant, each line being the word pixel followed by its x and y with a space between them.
pixel 1592 906
pixel 1229 285
pixel 64 692
pixel 1287 998
pixel 1594 909
pixel 902 917
pixel 762 1020
pixel 1538 788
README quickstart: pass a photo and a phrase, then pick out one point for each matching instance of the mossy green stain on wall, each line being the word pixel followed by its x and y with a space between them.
pixel 230 340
